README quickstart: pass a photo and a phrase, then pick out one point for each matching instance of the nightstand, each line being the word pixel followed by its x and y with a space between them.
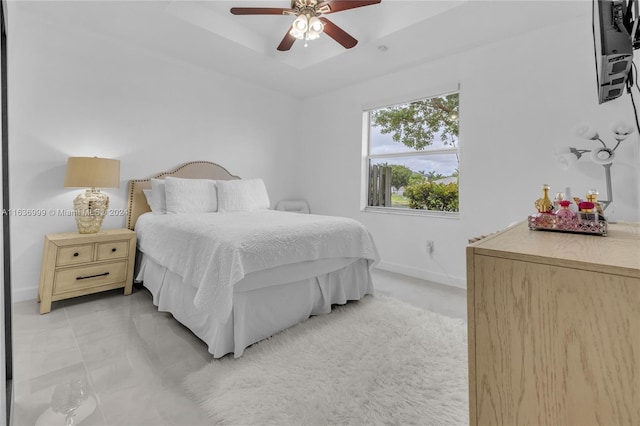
pixel 76 264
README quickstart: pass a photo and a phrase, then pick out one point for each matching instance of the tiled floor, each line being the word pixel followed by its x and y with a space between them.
pixel 116 360
pixel 443 299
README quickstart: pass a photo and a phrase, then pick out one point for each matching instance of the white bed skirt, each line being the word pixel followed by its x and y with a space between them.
pixel 258 311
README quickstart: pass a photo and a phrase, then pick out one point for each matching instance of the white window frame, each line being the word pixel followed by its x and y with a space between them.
pixel 367 157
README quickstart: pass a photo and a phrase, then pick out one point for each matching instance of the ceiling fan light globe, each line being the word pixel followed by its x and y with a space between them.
pixel 297 33
pixel 301 23
pixel 315 25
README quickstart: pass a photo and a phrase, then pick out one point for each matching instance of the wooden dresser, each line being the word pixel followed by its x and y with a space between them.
pixel 554 327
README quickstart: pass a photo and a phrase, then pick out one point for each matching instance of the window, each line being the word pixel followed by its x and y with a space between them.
pixel 413 156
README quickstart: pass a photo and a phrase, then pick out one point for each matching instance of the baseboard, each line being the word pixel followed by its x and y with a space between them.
pixel 424 275
pixel 25 294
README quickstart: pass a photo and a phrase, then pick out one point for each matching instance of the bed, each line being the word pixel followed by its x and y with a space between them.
pixel 232 270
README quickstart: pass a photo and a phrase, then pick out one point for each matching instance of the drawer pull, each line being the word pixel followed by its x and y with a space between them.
pixel 92 276
pixel 113 250
pixel 76 254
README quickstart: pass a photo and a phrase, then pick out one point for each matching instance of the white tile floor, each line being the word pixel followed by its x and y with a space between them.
pixel 125 361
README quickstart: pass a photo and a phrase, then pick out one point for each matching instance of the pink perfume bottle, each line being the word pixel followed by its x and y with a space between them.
pixel 565 218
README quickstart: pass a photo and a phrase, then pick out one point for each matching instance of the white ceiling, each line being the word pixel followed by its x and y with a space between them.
pixel 205 34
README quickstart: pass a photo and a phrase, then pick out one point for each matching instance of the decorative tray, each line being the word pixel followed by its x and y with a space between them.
pixel 582 225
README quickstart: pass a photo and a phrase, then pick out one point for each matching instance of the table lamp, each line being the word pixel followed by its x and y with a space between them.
pixel 91 206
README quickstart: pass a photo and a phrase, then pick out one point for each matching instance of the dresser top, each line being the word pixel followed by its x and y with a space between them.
pixel 619 252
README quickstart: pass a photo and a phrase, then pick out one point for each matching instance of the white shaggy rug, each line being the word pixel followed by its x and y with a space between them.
pixel 377 361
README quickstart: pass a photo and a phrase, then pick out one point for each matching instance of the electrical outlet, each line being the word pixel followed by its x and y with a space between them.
pixel 430 246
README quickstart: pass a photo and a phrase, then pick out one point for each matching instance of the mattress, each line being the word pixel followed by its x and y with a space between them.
pixel 213 252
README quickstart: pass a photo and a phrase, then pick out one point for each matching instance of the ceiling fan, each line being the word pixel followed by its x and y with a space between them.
pixel 308 24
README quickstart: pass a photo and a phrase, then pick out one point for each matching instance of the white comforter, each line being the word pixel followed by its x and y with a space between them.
pixel 213 251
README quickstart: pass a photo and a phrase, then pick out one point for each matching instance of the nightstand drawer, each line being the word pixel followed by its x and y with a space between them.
pixel 113 250
pixel 73 279
pixel 74 255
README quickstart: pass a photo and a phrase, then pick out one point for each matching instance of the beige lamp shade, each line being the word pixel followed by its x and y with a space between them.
pixel 92 172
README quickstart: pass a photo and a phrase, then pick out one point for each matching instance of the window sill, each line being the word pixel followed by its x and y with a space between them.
pixel 412 212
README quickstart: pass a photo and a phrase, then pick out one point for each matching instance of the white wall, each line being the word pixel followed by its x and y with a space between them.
pixel 519 100
pixel 75 94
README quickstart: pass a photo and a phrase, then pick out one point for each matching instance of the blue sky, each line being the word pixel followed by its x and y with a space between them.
pixel 444 164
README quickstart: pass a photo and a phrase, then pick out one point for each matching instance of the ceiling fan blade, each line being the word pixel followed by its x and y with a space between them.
pixel 339 5
pixel 286 42
pixel 260 11
pixel 338 34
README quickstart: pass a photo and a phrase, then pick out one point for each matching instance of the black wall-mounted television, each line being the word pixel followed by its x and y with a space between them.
pixel 613 22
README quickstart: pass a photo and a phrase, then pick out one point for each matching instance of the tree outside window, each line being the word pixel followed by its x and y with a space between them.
pixel 413 154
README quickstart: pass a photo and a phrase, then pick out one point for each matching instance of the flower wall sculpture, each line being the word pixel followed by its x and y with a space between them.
pixel 603 155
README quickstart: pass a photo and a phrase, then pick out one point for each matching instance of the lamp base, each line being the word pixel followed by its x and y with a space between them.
pixel 90 208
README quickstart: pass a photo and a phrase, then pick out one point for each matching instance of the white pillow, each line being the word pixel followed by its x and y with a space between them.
pixel 147 195
pixel 158 202
pixel 242 195
pixel 190 195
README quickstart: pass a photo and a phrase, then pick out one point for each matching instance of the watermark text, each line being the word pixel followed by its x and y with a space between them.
pixel 29 212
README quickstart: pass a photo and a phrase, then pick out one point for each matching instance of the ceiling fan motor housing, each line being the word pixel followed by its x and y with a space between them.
pixel 309 8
